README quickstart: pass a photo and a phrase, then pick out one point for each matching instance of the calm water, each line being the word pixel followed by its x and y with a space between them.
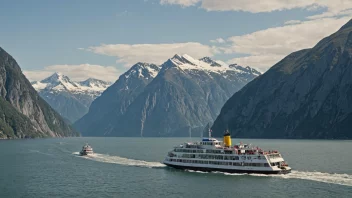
pixel 130 167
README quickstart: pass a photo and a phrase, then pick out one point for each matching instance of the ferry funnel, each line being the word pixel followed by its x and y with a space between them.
pixel 227 139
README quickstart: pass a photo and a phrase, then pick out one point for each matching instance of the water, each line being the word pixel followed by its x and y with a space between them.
pixel 130 167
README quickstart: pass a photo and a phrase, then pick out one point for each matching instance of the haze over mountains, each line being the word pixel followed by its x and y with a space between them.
pixel 178 97
pixel 24 113
pixel 69 98
pixel 308 94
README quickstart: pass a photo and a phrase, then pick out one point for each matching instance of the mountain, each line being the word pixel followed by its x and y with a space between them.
pixel 69 98
pixel 308 94
pixel 181 96
pixel 23 113
pixel 116 99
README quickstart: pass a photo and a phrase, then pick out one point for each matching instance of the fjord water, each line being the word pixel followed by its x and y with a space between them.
pixel 130 167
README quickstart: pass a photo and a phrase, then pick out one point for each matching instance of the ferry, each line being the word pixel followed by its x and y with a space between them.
pixel 212 155
pixel 86 150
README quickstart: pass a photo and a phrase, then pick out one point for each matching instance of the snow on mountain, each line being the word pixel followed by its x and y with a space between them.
pixel 59 82
pixel 186 62
pixel 71 99
pixel 143 70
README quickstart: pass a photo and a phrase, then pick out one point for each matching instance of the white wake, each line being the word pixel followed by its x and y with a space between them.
pixel 331 178
pixel 121 160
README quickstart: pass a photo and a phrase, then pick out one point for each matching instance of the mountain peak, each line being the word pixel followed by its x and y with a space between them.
pixel 56 78
pixel 177 56
pixel 59 82
pixel 347 25
pixel 184 59
pixel 210 61
pixel 91 82
pixel 143 70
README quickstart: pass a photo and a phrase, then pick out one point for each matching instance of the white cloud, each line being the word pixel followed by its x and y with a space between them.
pixel 75 72
pixel 255 6
pixel 333 13
pixel 152 53
pixel 266 47
pixel 184 3
pixel 333 6
pixel 292 22
pixel 218 40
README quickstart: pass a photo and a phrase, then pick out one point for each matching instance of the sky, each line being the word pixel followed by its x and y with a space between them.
pixel 103 39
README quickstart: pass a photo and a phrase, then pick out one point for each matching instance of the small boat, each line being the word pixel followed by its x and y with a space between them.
pixel 86 150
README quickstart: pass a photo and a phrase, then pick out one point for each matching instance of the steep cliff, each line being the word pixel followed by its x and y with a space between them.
pixel 308 94
pixel 23 113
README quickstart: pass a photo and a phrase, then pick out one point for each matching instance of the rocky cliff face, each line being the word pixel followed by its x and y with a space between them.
pixel 22 112
pixel 69 98
pixel 113 103
pixel 179 99
pixel 306 95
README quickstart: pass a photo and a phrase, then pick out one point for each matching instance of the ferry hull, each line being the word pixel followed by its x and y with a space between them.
pixel 82 153
pixel 204 169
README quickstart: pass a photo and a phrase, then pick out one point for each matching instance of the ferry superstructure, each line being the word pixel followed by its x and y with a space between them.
pixel 86 150
pixel 213 155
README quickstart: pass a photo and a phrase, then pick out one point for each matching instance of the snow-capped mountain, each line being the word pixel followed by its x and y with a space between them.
pixel 206 64
pixel 70 98
pixel 60 82
pixel 179 97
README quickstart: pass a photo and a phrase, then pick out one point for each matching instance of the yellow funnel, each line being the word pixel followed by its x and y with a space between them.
pixel 227 139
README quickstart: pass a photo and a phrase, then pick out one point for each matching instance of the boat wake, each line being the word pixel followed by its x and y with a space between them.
pixel 331 178
pixel 121 160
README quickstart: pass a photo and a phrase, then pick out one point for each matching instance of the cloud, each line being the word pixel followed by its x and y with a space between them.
pixel 336 13
pixel 254 6
pixel 291 22
pixel 75 72
pixel 151 53
pixel 266 47
pixel 218 40
pixel 184 3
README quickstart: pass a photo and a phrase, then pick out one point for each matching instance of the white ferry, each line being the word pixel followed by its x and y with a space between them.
pixel 213 155
pixel 86 150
